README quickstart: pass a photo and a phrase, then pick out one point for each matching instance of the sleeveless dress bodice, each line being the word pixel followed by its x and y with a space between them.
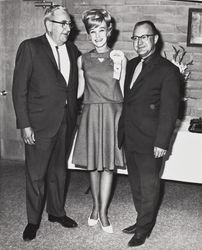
pixel 100 86
pixel 96 145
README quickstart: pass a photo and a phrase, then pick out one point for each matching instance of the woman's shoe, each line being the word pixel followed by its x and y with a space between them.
pixel 92 222
pixel 107 229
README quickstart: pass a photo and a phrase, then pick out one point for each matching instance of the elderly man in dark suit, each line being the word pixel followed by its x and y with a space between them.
pixel 44 97
pixel 151 98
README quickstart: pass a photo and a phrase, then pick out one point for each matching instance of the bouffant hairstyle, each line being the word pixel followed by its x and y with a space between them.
pixel 94 17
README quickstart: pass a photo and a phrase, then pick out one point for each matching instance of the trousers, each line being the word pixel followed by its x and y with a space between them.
pixel 143 172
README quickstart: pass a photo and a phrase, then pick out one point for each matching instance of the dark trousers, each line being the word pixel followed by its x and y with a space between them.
pixel 46 175
pixel 143 172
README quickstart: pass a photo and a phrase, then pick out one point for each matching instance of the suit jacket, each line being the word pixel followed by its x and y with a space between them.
pixel 39 89
pixel 151 107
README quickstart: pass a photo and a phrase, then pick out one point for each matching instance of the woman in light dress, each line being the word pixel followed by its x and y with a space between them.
pixel 101 79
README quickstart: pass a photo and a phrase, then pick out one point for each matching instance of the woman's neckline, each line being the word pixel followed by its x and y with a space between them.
pixel 102 53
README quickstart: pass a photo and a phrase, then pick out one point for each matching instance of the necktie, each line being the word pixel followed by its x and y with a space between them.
pixel 137 71
pixel 57 49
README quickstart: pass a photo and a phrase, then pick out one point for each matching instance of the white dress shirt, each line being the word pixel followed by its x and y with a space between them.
pixel 64 57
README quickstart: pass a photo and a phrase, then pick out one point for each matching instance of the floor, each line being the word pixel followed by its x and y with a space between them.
pixel 178 226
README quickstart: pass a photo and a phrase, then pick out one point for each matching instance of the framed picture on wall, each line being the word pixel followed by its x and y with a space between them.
pixel 194 34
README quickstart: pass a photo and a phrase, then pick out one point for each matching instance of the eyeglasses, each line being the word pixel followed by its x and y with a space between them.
pixel 144 38
pixel 63 23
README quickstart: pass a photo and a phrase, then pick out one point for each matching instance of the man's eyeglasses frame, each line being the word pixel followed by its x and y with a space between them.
pixel 63 23
pixel 143 38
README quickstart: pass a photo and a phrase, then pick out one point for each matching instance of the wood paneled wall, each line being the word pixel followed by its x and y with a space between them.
pixel 170 17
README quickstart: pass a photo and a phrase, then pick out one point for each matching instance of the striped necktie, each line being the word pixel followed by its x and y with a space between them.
pixel 137 71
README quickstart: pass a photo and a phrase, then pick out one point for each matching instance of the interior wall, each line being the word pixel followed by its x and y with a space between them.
pixel 170 17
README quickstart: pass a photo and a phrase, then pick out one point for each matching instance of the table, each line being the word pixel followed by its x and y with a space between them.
pixel 184 160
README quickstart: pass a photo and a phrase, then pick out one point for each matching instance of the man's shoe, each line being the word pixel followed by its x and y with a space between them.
pixel 129 230
pixel 63 220
pixel 30 232
pixel 138 239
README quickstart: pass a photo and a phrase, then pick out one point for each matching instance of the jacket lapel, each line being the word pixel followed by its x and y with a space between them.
pixel 48 50
pixel 147 70
pixel 129 74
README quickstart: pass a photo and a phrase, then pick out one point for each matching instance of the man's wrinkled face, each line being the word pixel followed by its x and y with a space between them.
pixel 144 40
pixel 59 27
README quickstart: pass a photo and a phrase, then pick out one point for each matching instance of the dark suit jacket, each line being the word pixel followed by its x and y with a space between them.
pixel 40 90
pixel 151 107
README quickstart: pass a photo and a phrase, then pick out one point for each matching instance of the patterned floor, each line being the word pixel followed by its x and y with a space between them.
pixel 178 227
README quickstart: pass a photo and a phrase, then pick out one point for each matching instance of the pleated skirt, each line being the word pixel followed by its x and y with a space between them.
pixel 96 145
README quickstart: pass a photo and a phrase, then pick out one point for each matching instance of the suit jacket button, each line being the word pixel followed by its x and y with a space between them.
pixel 152 106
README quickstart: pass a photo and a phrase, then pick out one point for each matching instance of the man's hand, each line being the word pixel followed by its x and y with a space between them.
pixel 28 135
pixel 159 152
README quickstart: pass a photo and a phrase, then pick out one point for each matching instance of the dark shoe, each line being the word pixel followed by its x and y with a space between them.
pixel 30 232
pixel 129 230
pixel 138 239
pixel 63 220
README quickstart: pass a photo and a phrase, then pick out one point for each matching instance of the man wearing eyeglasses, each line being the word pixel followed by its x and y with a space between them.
pixel 44 97
pixel 151 99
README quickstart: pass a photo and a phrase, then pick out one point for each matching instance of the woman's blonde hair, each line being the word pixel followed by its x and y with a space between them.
pixel 94 17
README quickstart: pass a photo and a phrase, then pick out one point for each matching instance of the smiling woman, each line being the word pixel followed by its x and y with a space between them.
pixel 96 148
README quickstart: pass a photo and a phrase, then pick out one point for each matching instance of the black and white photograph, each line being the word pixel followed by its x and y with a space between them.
pixel 100 124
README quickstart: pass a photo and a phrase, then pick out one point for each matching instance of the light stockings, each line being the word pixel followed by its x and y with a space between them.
pixel 101 184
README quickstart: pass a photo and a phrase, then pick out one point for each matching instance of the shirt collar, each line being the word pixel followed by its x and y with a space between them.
pixel 53 44
pixel 50 40
pixel 149 58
